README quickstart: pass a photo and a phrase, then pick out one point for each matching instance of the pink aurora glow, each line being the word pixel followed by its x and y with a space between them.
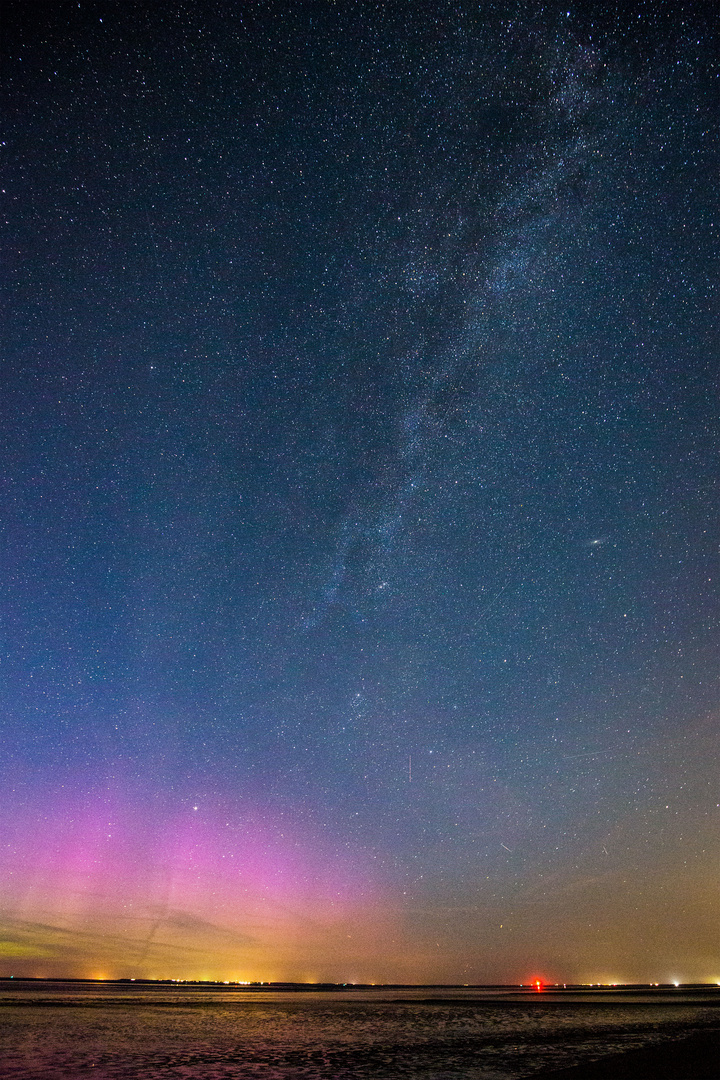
pixel 108 887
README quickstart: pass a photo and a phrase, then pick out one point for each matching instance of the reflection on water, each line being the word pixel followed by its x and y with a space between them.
pixel 69 1030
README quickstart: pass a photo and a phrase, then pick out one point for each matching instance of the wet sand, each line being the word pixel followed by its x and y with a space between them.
pixel 61 1031
pixel 695 1058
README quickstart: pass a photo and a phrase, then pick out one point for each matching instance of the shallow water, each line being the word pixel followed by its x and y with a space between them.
pixel 66 1031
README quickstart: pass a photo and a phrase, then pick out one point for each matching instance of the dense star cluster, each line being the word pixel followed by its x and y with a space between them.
pixel 360 458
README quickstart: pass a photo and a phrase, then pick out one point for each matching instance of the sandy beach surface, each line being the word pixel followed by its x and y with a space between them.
pixel 62 1031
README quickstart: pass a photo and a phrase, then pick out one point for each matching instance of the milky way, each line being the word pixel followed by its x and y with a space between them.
pixel 360 454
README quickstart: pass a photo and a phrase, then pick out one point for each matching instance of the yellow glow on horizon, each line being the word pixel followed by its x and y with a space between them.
pixel 18 949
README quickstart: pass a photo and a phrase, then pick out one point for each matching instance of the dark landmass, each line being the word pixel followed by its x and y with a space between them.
pixel 666 991
pixel 694 1058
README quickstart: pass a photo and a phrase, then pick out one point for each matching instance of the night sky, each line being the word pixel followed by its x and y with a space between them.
pixel 360 433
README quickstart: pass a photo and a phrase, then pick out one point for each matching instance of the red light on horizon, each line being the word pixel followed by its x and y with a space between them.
pixel 538 985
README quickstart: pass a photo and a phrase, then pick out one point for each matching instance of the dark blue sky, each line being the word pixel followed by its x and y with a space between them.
pixel 360 459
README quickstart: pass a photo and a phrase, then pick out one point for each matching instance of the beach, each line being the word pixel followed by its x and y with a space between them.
pixel 696 1057
pixel 60 1031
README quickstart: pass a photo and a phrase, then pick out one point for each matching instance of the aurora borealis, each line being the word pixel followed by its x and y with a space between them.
pixel 360 492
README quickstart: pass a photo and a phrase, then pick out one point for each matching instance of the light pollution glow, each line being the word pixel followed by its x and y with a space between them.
pixel 113 886
pixel 98 893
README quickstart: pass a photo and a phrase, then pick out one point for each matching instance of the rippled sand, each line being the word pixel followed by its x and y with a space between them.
pixel 144 1034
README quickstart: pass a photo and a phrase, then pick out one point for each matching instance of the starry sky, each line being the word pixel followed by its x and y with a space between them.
pixel 360 476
